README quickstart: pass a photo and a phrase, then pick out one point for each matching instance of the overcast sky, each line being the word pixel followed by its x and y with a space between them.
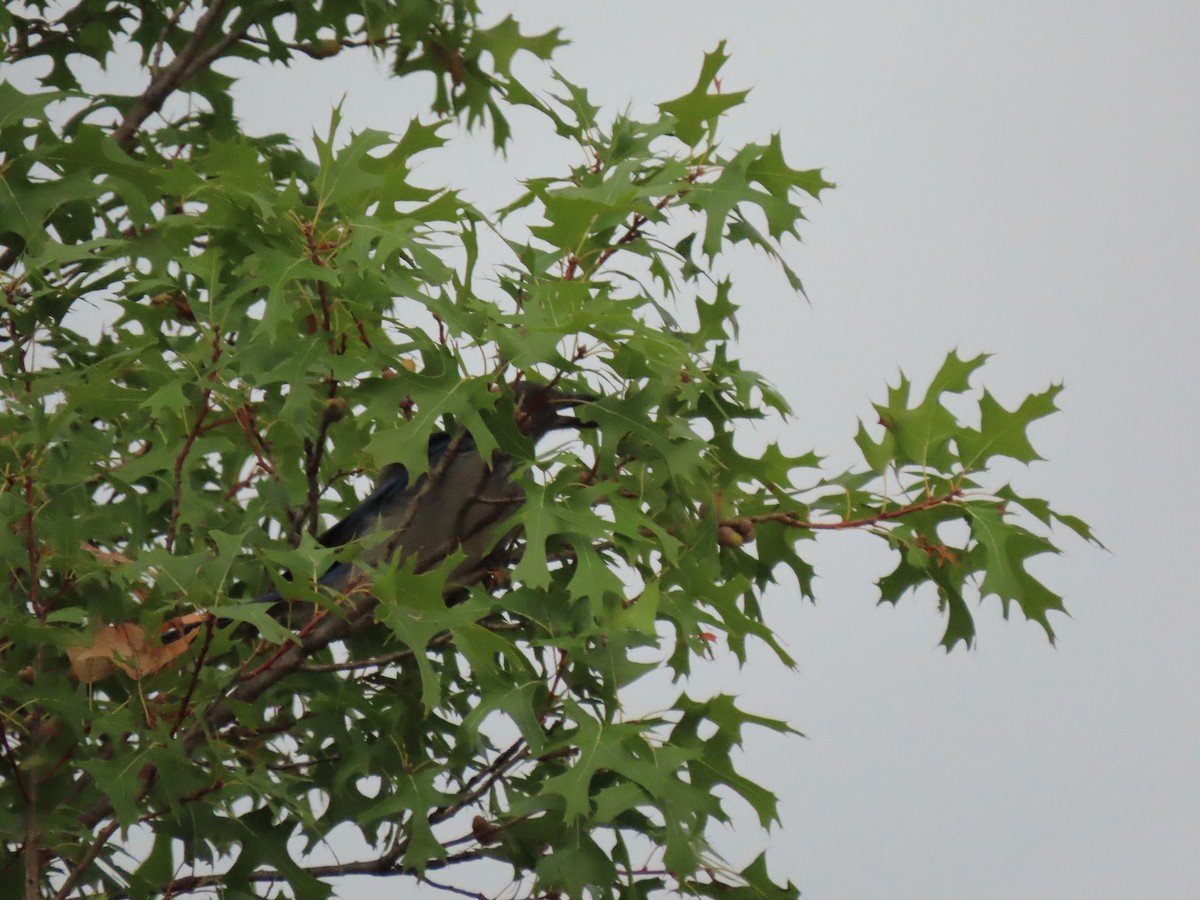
pixel 1017 178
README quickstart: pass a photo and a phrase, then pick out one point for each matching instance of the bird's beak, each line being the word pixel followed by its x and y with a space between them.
pixel 563 401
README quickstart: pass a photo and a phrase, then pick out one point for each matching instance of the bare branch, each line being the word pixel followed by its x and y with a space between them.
pixel 365 867
pixel 454 890
pixel 85 861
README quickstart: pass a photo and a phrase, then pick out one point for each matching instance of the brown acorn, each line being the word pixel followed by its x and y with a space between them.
pixel 484 831
pixel 323 49
pixel 334 410
pixel 729 537
pixel 744 527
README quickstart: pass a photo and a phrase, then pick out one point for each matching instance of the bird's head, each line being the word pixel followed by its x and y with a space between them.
pixel 540 408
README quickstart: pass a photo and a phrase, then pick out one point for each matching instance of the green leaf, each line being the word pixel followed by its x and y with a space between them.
pixel 919 435
pixel 620 748
pixel 437 390
pixel 756 885
pixel 17 107
pixel 696 112
pixel 414 793
pixel 503 41
pixel 1008 547
pixel 572 869
pixel 714 764
pixel 283 319
pixel 262 841
pixel 545 514
pixel 120 781
pixel 1041 510
pixel 413 609
pixel 771 170
pixel 1003 432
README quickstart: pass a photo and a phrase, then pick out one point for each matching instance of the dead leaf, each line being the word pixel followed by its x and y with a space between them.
pixel 104 555
pixel 126 647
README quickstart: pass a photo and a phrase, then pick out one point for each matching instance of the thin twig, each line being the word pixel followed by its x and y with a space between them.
pixel 244 416
pixel 377 662
pixel 193 433
pixel 634 229
pixel 793 521
pixel 313 452
pixel 319 53
pixel 318 616
pixel 18 780
pixel 476 895
pixel 364 867
pixel 185 702
pixel 373 662
pixel 500 767
pixel 32 850
pixel 86 860
pixel 156 59
pixel 32 547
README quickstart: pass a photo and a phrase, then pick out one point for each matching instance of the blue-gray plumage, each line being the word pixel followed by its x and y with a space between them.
pixel 454 507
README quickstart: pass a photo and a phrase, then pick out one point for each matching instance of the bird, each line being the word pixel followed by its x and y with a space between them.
pixel 455 506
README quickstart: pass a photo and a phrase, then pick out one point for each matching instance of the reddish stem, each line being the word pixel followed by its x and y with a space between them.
pixel 793 521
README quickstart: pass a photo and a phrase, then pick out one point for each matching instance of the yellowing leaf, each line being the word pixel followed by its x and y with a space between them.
pixel 126 647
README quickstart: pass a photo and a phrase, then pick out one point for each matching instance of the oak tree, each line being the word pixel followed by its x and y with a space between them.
pixel 212 341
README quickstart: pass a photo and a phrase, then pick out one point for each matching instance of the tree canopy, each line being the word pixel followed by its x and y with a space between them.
pixel 213 340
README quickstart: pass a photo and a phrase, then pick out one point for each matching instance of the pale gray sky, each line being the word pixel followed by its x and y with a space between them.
pixel 1019 178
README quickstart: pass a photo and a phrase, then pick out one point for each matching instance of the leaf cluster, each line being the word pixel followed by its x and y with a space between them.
pixel 276 329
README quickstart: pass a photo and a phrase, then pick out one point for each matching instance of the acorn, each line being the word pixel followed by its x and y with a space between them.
pixel 729 537
pixel 744 527
pixel 484 831
pixel 323 49
pixel 334 410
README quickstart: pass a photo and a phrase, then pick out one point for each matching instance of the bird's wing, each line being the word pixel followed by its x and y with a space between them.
pixel 361 520
pixel 387 500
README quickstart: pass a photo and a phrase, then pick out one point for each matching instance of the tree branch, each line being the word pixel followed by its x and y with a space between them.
pixel 185 702
pixel 634 230
pixel 792 520
pixel 313 452
pixel 358 616
pixel 364 867
pixel 167 79
pixel 32 850
pixel 193 433
pixel 453 890
pixel 86 860
pixel 482 782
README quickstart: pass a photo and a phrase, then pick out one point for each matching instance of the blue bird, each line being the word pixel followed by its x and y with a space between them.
pixel 457 511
